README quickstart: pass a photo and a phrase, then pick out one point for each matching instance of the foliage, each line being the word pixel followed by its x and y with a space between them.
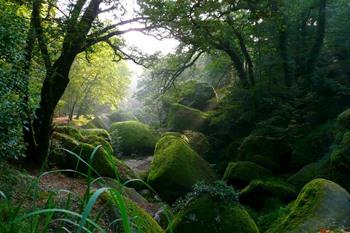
pixel 12 83
pixel 219 191
pixel 96 80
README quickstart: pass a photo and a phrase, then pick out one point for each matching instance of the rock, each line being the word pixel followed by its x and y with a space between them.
pixel 201 96
pixel 104 164
pixel 206 215
pixel 259 191
pixel 343 119
pixel 199 142
pixel 321 204
pixel 182 118
pixel 315 144
pixel 340 163
pixel 132 137
pixel 69 131
pixel 269 152
pixel 101 122
pixel 176 168
pixel 120 116
pixel 96 132
pixel 239 174
pixel 139 219
pixel 310 172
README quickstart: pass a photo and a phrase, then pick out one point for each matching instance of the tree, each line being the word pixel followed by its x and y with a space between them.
pixel 75 28
pixel 96 81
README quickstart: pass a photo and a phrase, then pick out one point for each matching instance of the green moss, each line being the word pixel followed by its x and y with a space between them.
pixel 320 204
pixel 103 163
pixel 314 144
pixel 120 116
pixel 140 220
pixel 70 131
pixel 259 191
pixel 239 174
pixel 182 118
pixel 205 215
pixel 340 164
pixel 132 137
pixel 96 132
pixel 199 142
pixel 343 119
pixel 8 213
pixel 311 171
pixel 269 152
pixel 176 168
pixel 96 141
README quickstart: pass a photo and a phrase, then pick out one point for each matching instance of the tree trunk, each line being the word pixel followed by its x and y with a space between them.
pixel 53 88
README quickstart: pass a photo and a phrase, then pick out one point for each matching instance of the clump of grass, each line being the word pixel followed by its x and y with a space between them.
pixel 51 215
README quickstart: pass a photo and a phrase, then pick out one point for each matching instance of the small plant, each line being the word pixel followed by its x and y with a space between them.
pixel 219 191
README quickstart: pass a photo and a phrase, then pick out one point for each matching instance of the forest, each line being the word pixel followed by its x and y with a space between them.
pixel 222 116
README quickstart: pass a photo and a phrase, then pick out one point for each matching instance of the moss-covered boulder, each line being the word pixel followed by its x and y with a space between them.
pixel 182 118
pixel 121 115
pixel 176 168
pixel 103 163
pixel 199 142
pixel 133 137
pixel 340 163
pixel 96 132
pixel 239 174
pixel 258 192
pixel 98 122
pixel 320 169
pixel 206 215
pixel 198 95
pixel 70 131
pixel 321 204
pixel 343 119
pixel 139 219
pixel 313 145
pixel 269 152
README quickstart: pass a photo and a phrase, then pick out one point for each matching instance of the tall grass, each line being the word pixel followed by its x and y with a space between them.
pixel 55 217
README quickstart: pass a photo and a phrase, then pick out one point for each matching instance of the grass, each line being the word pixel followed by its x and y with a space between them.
pixel 47 215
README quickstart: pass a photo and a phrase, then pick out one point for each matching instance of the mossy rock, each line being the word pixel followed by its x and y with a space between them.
pixel 96 141
pixel 343 119
pixel 120 116
pixel 133 137
pixel 201 96
pixel 199 142
pixel 340 163
pixel 139 219
pixel 269 152
pixel 182 118
pixel 72 132
pixel 96 132
pixel 206 215
pixel 313 146
pixel 310 172
pixel 257 193
pixel 239 174
pixel 321 204
pixel 176 168
pixel 98 123
pixel 104 163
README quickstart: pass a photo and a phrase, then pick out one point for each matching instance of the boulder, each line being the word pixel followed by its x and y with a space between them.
pixel 182 118
pixel 201 96
pixel 139 219
pixel 100 122
pixel 343 119
pixel 120 116
pixel 103 163
pixel 176 168
pixel 239 174
pixel 207 215
pixel 321 204
pixel 199 142
pixel 310 172
pixel 269 152
pixel 258 192
pixel 133 137
pixel 96 132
